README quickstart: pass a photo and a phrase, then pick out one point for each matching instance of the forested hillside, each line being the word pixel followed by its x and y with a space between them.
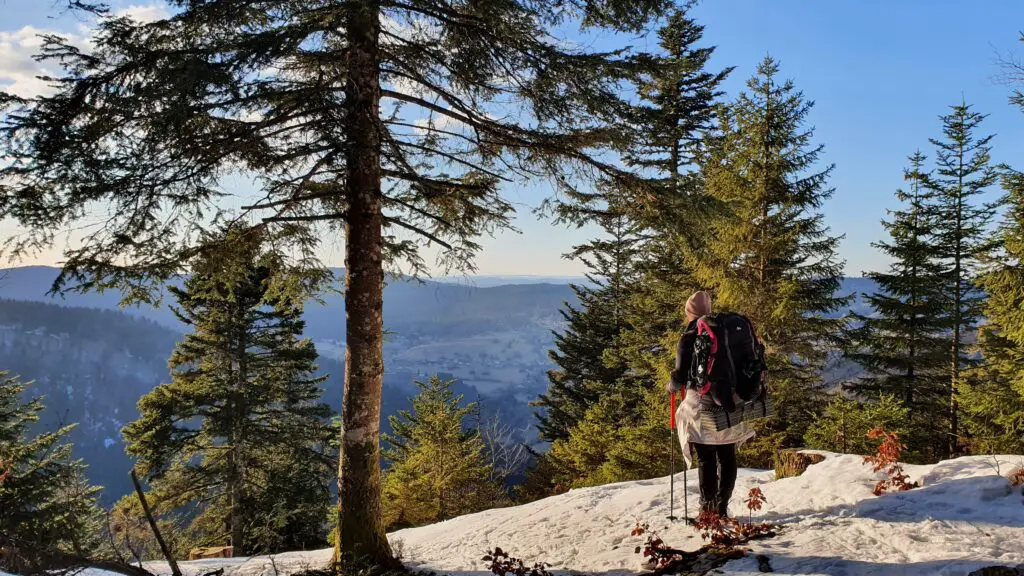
pixel 92 366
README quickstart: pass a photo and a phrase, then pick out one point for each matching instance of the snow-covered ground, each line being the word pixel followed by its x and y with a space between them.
pixel 964 516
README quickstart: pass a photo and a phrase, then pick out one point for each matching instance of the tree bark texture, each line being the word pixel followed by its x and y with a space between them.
pixel 361 534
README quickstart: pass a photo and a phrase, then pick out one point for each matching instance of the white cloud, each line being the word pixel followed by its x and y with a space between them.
pixel 145 12
pixel 18 69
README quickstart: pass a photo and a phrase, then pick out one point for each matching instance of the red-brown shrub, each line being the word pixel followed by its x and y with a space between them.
pixel 1016 476
pixel 504 565
pixel 886 459
pixel 755 498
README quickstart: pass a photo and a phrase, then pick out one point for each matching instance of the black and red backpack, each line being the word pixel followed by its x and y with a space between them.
pixel 728 360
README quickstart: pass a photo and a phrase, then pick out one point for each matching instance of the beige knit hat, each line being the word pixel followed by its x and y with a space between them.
pixel 697 305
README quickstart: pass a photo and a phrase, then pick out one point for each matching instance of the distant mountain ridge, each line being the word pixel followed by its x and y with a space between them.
pixel 445 300
pixel 406 303
pixel 489 281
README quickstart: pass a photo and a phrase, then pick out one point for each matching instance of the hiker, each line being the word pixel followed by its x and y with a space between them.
pixel 716 449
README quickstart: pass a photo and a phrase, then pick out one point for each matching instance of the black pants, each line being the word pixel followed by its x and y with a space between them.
pixel 717 473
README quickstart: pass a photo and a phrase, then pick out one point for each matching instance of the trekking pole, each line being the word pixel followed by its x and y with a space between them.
pixel 686 497
pixel 672 461
pixel 686 482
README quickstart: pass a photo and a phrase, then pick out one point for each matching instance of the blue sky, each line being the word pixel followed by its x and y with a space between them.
pixel 879 71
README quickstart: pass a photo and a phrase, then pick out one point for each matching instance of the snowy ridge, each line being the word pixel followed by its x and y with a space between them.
pixel 964 516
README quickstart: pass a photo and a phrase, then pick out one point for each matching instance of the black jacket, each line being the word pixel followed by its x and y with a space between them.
pixel 684 357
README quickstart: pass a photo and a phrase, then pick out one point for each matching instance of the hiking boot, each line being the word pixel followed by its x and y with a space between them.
pixel 723 505
pixel 723 510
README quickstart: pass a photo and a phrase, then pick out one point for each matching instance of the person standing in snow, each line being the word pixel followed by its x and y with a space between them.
pixel 716 449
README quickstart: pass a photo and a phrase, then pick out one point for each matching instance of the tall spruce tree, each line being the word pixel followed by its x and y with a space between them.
pixel 242 413
pixel 594 322
pixel 622 433
pixel 45 502
pixel 678 94
pixel 438 466
pixel 903 344
pixel 672 124
pixel 770 256
pixel 964 173
pixel 993 394
pixel 391 122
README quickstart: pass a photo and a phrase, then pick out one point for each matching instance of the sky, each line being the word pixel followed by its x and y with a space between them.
pixel 880 72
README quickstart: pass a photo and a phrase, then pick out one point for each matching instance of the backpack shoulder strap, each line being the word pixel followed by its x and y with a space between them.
pixel 704 329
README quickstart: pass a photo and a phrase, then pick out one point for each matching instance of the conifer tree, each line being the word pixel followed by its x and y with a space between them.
pixel 844 425
pixel 438 466
pixel 770 256
pixel 673 123
pixel 623 434
pixel 672 120
pixel 382 120
pixel 129 534
pixel 993 394
pixel 240 428
pixel 622 437
pixel 44 499
pixel 596 320
pixel 964 172
pixel 903 343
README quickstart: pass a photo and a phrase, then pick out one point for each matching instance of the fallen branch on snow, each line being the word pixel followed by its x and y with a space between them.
pixel 24 558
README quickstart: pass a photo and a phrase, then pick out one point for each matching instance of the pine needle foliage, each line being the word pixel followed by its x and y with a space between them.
pixel 583 372
pixel 438 468
pixel 768 253
pixel 961 215
pixel 240 431
pixel 45 499
pixel 993 394
pixel 844 425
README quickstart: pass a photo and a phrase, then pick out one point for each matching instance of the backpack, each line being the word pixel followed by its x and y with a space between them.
pixel 728 360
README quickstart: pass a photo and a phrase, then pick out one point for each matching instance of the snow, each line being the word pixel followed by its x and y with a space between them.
pixel 964 516
pixel 276 565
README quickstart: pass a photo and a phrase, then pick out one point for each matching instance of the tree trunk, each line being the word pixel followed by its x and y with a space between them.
pixel 955 371
pixel 908 390
pixel 235 494
pixel 236 456
pixel 361 533
pixel 954 428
